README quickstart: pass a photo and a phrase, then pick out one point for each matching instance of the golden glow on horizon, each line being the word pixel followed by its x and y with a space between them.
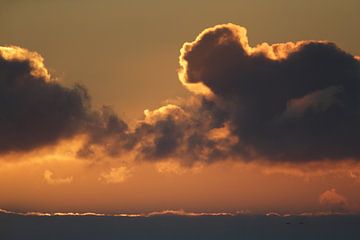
pixel 121 186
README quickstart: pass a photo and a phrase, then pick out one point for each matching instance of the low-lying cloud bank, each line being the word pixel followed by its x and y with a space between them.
pixel 180 213
pixel 286 102
pixel 150 214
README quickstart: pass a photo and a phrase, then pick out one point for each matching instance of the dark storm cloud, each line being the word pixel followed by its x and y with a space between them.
pixel 285 102
pixel 291 102
pixel 35 110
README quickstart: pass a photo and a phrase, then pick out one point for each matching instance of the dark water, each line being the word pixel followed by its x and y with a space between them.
pixel 177 227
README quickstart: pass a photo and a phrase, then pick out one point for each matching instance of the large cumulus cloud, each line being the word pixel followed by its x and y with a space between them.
pixel 285 102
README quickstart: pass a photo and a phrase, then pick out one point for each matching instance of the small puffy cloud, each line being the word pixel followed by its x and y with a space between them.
pixel 50 179
pixel 174 167
pixel 115 175
pixel 188 132
pixel 332 201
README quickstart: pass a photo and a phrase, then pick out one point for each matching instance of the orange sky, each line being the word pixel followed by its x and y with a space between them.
pixel 127 55
pixel 54 181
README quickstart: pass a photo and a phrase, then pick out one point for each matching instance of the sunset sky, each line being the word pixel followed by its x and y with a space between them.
pixel 146 106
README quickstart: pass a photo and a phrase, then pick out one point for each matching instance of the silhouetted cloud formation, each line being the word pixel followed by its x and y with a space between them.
pixel 292 102
pixel 285 102
pixel 36 110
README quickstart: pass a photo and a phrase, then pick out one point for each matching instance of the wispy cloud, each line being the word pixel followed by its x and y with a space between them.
pixel 50 179
pixel 115 175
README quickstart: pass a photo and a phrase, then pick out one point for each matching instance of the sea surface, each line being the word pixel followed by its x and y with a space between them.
pixel 179 227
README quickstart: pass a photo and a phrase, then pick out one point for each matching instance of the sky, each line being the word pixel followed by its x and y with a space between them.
pixel 196 127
